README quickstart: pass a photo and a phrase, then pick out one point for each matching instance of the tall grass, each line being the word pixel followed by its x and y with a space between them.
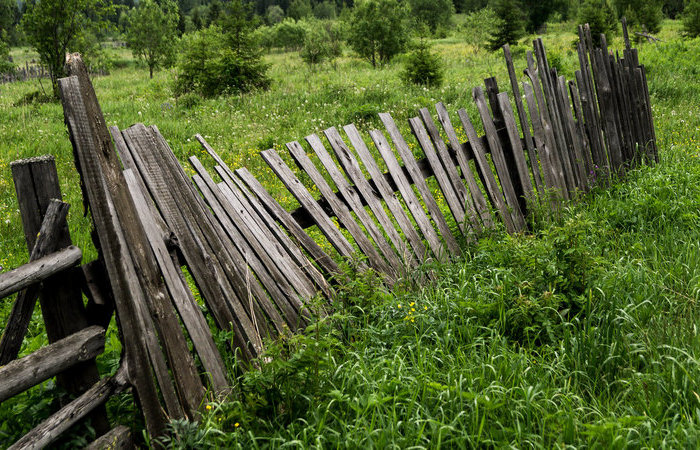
pixel 583 333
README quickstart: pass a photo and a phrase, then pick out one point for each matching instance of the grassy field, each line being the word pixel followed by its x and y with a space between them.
pixel 584 333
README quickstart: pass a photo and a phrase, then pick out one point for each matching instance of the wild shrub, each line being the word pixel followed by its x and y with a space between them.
pixel 6 65
pixel 476 28
pixel 600 17
pixel 422 66
pixel 211 64
pixel 509 27
pixel 377 30
pixel 691 19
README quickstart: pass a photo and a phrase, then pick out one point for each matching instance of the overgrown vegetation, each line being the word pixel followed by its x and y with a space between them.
pixel 582 334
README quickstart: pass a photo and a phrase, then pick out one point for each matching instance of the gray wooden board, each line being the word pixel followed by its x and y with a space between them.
pixel 182 297
pixel 409 196
pixel 38 270
pixel 518 153
pixel 419 181
pixel 550 143
pixel 607 109
pixel 277 288
pixel 367 193
pixel 116 257
pixel 444 183
pixel 268 225
pixel 548 173
pixel 340 209
pixel 21 374
pixel 524 124
pixel 490 183
pixel 50 429
pixel 498 159
pixel 578 159
pixel 118 438
pixel 463 204
pixel 220 276
pixel 282 216
pixel 460 151
pixel 17 322
pixel 324 223
pixel 352 198
pixel 583 137
pixel 303 287
pixel 276 260
pixel 590 105
pixel 380 186
pixel 450 168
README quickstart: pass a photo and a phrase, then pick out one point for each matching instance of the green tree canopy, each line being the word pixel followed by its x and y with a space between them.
pixel 600 17
pixel 510 24
pixel 56 27
pixel 152 32
pixel 377 30
pixel 691 19
pixel 433 13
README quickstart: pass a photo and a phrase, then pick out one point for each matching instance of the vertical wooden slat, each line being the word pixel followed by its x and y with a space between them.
pixel 477 196
pixel 418 180
pixel 351 197
pixel 490 183
pixel 498 159
pixel 518 154
pixel 409 196
pixel 524 124
pixel 340 210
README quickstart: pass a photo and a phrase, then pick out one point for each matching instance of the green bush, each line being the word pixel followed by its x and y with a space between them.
pixel 509 27
pixel 321 42
pixel 377 30
pixel 477 25
pixel 211 64
pixel 642 15
pixel 600 17
pixel 6 65
pixel 289 34
pixel 423 66
pixel 691 19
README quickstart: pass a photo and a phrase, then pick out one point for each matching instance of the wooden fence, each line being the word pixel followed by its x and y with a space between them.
pixel 254 264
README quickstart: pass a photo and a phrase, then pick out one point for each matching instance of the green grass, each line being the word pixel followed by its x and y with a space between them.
pixel 581 334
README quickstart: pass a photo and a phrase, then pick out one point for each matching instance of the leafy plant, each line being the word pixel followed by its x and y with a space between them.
pixel 600 17
pixel 691 19
pixel 152 32
pixel 509 27
pixel 423 66
pixel 377 30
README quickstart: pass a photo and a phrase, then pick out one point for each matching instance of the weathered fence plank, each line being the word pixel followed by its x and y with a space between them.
pixel 21 374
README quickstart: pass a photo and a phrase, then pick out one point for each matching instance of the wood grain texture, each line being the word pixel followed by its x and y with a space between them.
pixel 21 374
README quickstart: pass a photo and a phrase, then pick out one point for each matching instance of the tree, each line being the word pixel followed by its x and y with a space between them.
pixel 325 10
pixel 55 27
pixel 423 66
pixel 6 65
pixel 691 19
pixel 510 24
pixel 316 48
pixel 600 17
pixel 152 33
pixel 433 13
pixel 299 9
pixel 538 11
pixel 644 15
pixel 274 14
pixel 377 30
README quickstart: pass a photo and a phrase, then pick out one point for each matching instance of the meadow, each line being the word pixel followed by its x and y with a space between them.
pixel 582 333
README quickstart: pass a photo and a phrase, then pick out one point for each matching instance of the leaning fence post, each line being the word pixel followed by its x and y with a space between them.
pixel 36 184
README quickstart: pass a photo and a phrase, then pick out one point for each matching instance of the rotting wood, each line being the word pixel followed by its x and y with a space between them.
pixel 50 429
pixel 408 195
pixel 352 198
pixel 23 307
pixel 88 149
pixel 182 297
pixel 379 184
pixel 38 270
pixel 463 159
pixel 21 374
pixel 340 209
pixel 419 181
pixel 118 438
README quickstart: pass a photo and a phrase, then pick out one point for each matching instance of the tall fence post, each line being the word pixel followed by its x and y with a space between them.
pixel 36 184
